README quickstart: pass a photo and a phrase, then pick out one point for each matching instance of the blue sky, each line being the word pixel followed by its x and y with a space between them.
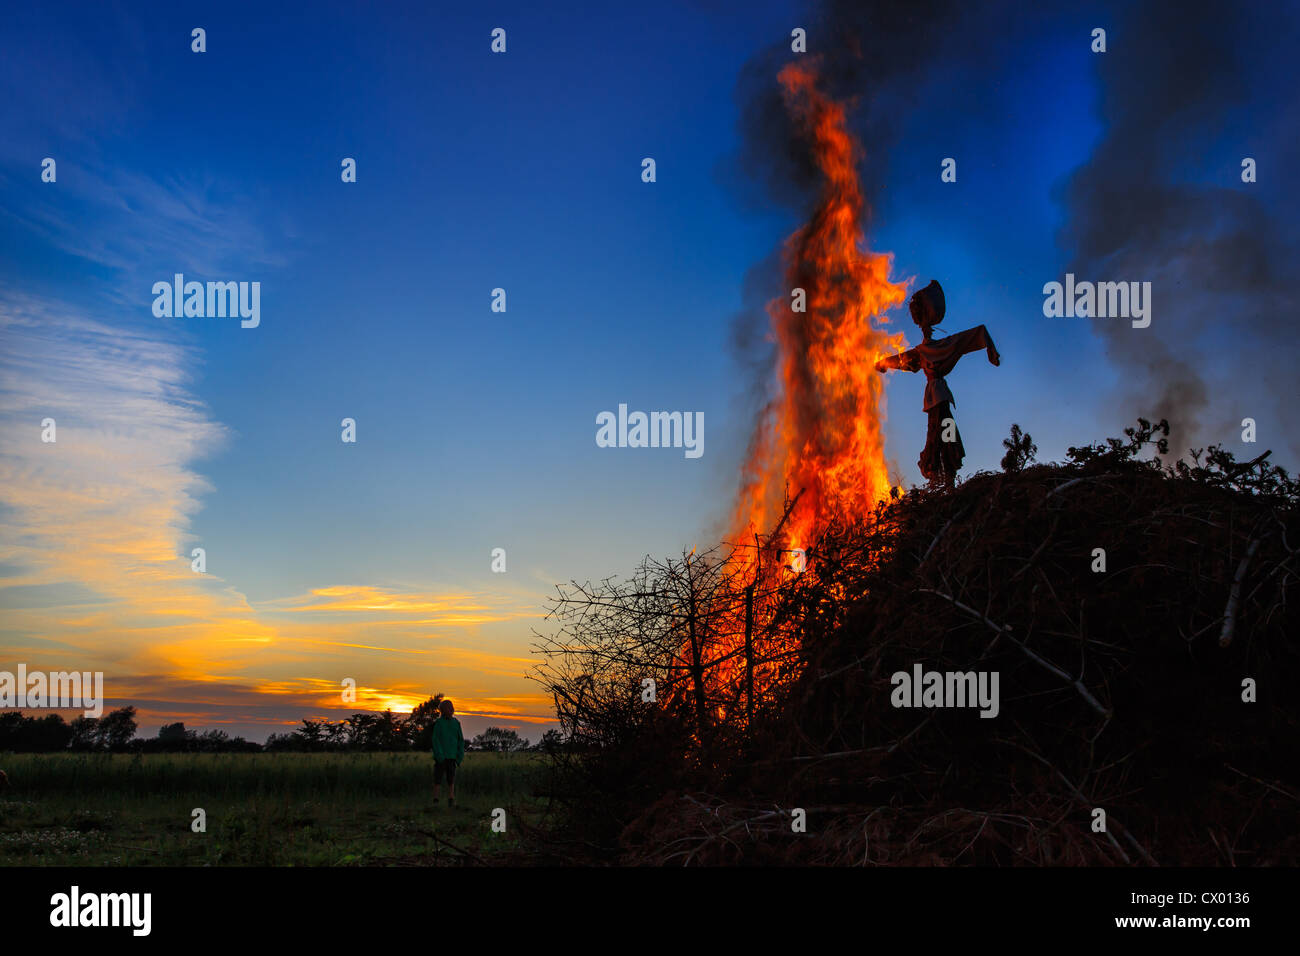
pixel 475 428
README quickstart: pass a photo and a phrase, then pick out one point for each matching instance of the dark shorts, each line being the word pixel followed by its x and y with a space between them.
pixel 444 770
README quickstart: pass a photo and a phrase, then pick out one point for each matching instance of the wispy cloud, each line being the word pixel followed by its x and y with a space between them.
pixel 389 606
pixel 146 229
pixel 105 507
pixel 106 207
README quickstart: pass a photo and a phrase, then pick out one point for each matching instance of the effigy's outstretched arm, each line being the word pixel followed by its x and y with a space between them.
pixel 974 339
pixel 994 357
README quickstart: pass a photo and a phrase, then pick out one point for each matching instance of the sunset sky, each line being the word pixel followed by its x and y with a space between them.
pixel 372 560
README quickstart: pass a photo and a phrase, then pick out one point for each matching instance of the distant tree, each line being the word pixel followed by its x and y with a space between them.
pixel 51 734
pixel 336 734
pixel 500 739
pixel 552 742
pixel 173 737
pixel 11 729
pixel 388 733
pixel 115 729
pixel 312 733
pixel 361 731
pixel 419 725
pixel 216 741
pixel 23 734
pixel 277 743
pixel 85 733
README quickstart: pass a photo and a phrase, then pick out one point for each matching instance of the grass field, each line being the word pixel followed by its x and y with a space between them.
pixel 262 809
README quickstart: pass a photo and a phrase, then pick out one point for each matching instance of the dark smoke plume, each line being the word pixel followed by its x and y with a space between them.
pixel 1221 258
pixel 871 56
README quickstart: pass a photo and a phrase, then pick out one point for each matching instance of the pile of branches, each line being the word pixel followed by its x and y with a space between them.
pixel 1141 622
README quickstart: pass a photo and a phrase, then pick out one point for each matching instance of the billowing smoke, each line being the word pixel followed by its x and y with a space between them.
pixel 871 56
pixel 1187 91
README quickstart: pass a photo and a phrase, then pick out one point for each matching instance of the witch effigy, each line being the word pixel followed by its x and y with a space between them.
pixel 943 452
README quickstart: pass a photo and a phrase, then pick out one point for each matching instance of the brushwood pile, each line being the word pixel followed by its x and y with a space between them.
pixel 1091 662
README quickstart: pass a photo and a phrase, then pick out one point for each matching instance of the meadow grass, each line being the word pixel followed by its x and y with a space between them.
pixel 328 809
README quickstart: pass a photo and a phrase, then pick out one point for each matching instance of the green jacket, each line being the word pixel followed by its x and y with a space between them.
pixel 448 741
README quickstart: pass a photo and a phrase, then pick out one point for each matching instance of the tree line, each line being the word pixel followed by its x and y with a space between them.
pixel 115 732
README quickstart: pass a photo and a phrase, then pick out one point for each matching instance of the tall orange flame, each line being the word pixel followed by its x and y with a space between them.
pixel 823 432
pixel 821 437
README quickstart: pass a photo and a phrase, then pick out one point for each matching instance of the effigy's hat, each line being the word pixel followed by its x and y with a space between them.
pixel 930 299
